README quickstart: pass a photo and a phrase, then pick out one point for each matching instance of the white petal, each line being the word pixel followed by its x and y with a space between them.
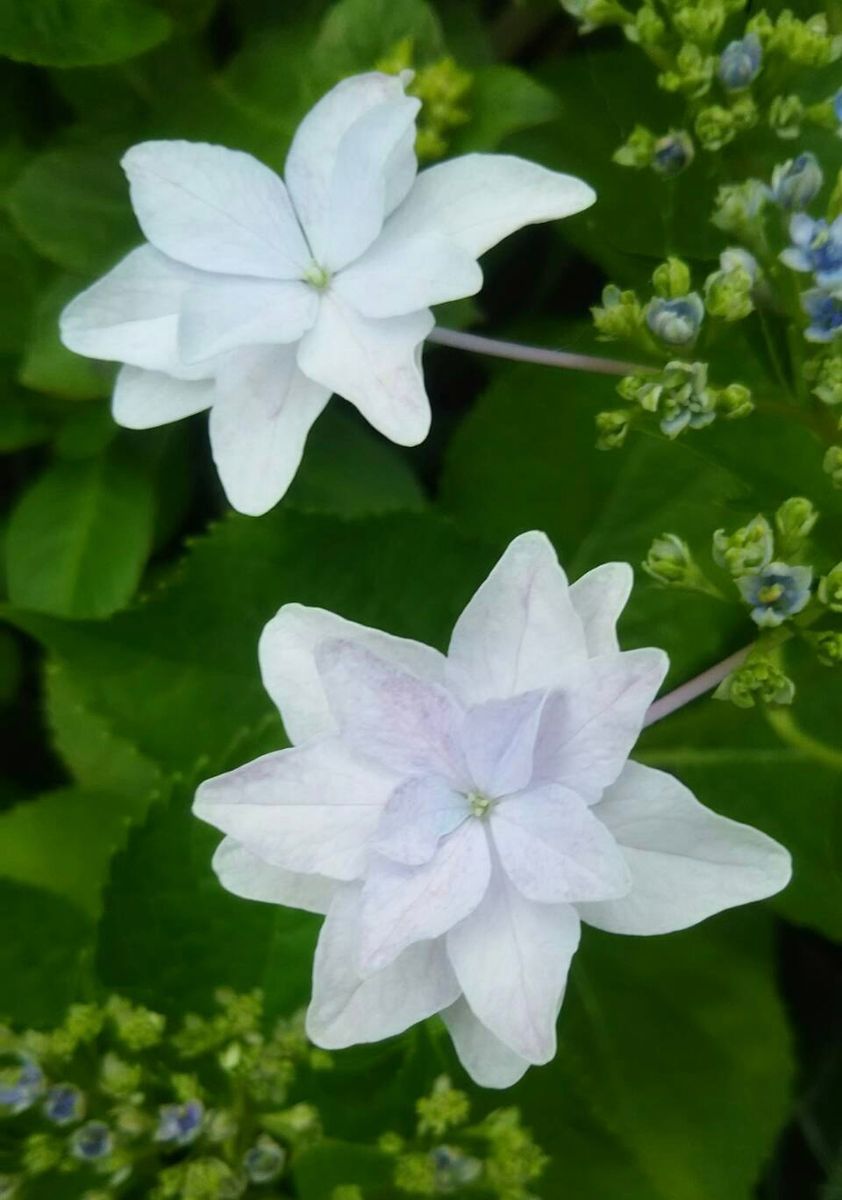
pixel 554 849
pixel 229 312
pixel 373 364
pixel 287 663
pixel 589 726
pixel 263 410
pixel 498 738
pixel 479 199
pixel 404 723
pixel 324 146
pixel 686 861
pixel 246 875
pixel 400 275
pixel 599 597
pixel 417 816
pixel 403 905
pixel 487 1060
pixel 217 209
pixel 131 314
pixel 311 810
pixel 144 399
pixel 347 1009
pixel 511 958
pixel 520 631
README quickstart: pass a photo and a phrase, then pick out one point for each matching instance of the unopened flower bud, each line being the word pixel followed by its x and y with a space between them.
pixel 826 376
pixel 715 127
pixel 619 316
pixel 759 681
pixel 739 208
pixel 637 150
pixel 830 588
pixel 136 1027
pixel 454 1169
pixel 807 43
pixel 700 23
pixel 42 1152
pixel 21 1083
pixel 647 28
pixel 828 647
pixel 786 115
pixel 612 427
pixel 676 322
pixel 265 1161
pixel 64 1104
pixel 734 402
pixel 728 294
pixel 671 279
pixel 180 1124
pixel 670 562
pixel 693 70
pixel 92 1141
pixel 672 153
pixel 797 182
pixel 795 520
pixel 747 549
pixel 740 62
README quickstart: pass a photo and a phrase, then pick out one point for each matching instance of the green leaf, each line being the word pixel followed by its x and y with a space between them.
pixel 19 279
pixel 170 934
pixel 72 206
pixel 350 470
pixel 355 34
pixel 503 100
pixel 79 537
pixel 47 366
pixel 78 33
pixel 673 1073
pixel 64 841
pixel 22 423
pixel 178 675
pixel 44 954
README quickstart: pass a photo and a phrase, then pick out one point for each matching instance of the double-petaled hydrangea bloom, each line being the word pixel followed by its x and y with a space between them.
pixel 456 818
pixel 258 297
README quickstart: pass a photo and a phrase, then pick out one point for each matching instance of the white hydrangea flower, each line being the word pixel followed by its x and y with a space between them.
pixel 258 298
pixel 457 818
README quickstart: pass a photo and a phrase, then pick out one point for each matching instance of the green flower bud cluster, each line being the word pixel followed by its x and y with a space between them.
pixel 679 396
pixel 442 87
pixel 497 1156
pixel 692 72
pixel 832 464
pixel 728 293
pixel 805 43
pixel 667 155
pixel 786 116
pixel 717 125
pixel 619 316
pixel 612 427
pixel 830 589
pixel 595 14
pixel 759 681
pixel 670 562
pixel 739 209
pixel 825 374
pixel 828 647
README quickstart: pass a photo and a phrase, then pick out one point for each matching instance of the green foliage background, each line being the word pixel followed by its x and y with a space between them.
pixel 699 1066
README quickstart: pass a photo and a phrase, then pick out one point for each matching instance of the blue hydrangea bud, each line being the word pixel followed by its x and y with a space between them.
pixel 180 1124
pixel 265 1161
pixel 746 550
pixel 775 593
pixel 453 1169
pixel 20 1086
pixel 676 322
pixel 797 182
pixel 735 256
pixel 64 1104
pixel 824 308
pixel 673 153
pixel 92 1141
pixel 740 62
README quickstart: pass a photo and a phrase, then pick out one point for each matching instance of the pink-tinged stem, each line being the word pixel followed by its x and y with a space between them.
pixel 693 688
pixel 518 352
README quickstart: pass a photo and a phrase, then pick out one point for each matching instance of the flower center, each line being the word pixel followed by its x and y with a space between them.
pixel 317 276
pixel 770 593
pixel 478 804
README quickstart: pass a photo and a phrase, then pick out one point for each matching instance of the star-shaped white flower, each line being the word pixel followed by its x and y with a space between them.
pixel 456 818
pixel 258 298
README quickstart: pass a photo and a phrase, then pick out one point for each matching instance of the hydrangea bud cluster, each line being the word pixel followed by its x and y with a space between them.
pixel 443 88
pixel 767 566
pixel 211 1110
pixel 449 1154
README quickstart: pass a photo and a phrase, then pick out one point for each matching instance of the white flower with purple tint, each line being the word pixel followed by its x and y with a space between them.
pixel 257 297
pixel 458 817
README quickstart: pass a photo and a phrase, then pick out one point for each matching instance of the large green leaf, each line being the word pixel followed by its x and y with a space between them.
pixel 170 935
pixel 674 1049
pixel 177 676
pixel 502 100
pixel 45 944
pixel 72 205
pixel 72 33
pixel 79 537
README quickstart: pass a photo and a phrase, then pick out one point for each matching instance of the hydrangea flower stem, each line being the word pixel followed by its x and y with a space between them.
pixel 695 687
pixel 518 352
